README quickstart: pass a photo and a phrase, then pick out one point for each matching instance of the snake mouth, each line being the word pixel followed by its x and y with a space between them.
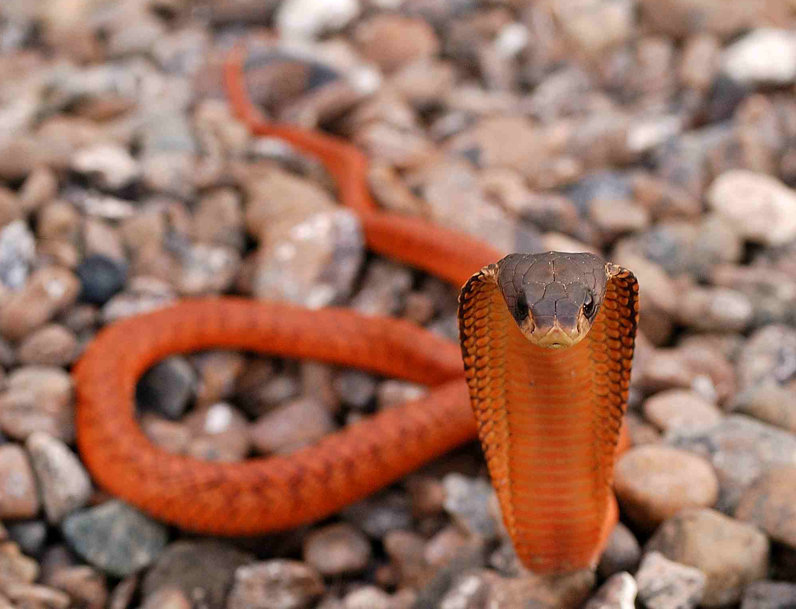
pixel 553 336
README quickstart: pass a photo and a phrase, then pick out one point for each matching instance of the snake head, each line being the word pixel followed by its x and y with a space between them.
pixel 554 297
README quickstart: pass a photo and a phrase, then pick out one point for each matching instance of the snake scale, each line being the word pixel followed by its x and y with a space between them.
pixel 549 419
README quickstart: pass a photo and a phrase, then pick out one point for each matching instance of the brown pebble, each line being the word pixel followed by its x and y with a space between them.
pixel 19 494
pixel 337 549
pixel 770 503
pixel 50 345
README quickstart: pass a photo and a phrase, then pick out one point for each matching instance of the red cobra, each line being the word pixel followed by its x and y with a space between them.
pixel 279 492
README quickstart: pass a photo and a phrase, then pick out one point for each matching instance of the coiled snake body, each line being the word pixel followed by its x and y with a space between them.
pixel 548 418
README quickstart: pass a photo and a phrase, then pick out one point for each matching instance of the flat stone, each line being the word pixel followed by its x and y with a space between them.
pixel 275 584
pixel 676 408
pixel 770 503
pixel 337 549
pixel 468 501
pixel 85 586
pixel 63 482
pixel 664 584
pixel 115 538
pixel 37 398
pixel 111 166
pixel 200 569
pixel 730 553
pixel 19 495
pixel 618 592
pixel 291 426
pixel 101 278
pixel 622 553
pixel 764 56
pixel 655 482
pixel 168 387
pixel 761 208
pixel 392 41
pixel 50 345
pixel 769 595
pixel 741 449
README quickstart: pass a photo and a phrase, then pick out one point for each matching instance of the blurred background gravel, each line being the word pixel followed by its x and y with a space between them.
pixel 659 133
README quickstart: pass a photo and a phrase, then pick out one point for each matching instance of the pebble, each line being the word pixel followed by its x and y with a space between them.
pixel 17 253
pixel 336 550
pixel 767 356
pixel 28 595
pixel 63 482
pixel 367 597
pixel 380 514
pixel 731 554
pixel 115 538
pixel 37 398
pixel 48 291
pixel 406 551
pixel 101 278
pixel 678 408
pixel 168 387
pixel 769 595
pixel 764 56
pixel 85 586
pixel 622 553
pixel 304 18
pixel 202 570
pixel 715 309
pixel 218 375
pixel 393 41
pixel 110 166
pixel 655 482
pixel 665 584
pixel 50 345
pixel 291 426
pixel 15 567
pixel 770 402
pixel 467 500
pixel 759 207
pixel 770 503
pixel 31 535
pixel 19 495
pixel 219 432
pixel 275 584
pixel 740 449
pixel 618 592
pixel 567 591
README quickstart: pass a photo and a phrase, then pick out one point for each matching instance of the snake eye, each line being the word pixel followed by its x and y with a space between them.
pixel 588 305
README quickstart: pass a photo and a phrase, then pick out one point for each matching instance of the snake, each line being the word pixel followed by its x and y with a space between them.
pixel 544 360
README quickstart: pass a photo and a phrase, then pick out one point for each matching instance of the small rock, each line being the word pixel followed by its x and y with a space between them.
pixel 731 554
pixel 622 553
pixel 47 292
pixel 356 388
pixel 111 166
pixel 567 591
pixel 291 426
pixel 219 219
pixel 759 207
pixel 50 345
pixel 336 550
pixel 664 584
pixel 202 570
pixel 407 555
pixel 769 595
pixel 168 387
pixel 767 356
pixel 715 309
pixel 85 586
pixel 770 402
pixel 679 408
pixel 17 252
pixel 19 496
pixel 31 535
pixel 655 482
pixel 27 595
pixel 762 57
pixel 115 538
pixel 741 449
pixel 392 41
pixel 220 433
pixel 307 19
pixel 380 514
pixel 167 598
pixel 15 567
pixel 101 278
pixel 64 484
pixel 368 597
pixel 218 374
pixel 206 269
pixel 275 584
pixel 467 500
pixel 468 591
pixel 40 187
pixel 37 398
pixel 619 592
pixel 770 503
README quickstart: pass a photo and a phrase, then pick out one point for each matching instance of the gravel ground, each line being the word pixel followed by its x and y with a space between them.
pixel 657 132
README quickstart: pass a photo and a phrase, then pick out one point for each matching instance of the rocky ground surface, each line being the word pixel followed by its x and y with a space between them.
pixel 657 132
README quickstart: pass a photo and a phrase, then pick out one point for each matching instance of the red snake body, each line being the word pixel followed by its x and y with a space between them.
pixel 280 492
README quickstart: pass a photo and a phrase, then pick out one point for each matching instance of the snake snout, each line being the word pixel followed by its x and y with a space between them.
pixel 554 331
